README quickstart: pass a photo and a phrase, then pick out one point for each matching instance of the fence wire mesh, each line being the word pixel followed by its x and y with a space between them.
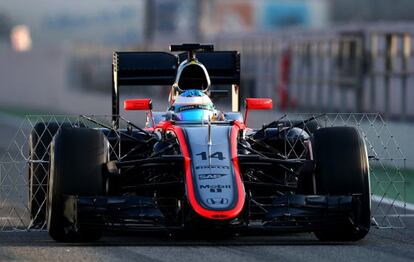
pixel 22 198
pixel 386 160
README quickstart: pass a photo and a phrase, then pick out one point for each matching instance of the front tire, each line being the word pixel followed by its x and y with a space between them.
pixel 77 159
pixel 342 168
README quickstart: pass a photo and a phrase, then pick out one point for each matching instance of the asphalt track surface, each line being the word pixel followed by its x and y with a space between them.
pixel 379 245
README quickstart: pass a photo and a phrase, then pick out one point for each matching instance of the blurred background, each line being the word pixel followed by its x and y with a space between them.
pixel 308 55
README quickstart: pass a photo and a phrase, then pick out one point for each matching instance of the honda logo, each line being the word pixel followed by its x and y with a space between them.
pixel 217 201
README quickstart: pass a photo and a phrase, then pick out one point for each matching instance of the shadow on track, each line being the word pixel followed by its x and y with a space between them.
pixel 39 239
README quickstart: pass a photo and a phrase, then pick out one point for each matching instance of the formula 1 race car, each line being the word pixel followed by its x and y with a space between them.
pixel 195 167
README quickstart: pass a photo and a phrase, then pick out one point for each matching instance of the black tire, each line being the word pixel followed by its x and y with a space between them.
pixel 341 168
pixel 76 166
pixel 39 141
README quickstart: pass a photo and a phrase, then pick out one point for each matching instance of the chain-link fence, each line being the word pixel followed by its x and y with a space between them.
pixel 24 167
pixel 21 208
pixel 387 163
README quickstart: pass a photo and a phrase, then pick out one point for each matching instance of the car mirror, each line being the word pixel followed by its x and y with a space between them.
pixel 257 104
pixel 138 104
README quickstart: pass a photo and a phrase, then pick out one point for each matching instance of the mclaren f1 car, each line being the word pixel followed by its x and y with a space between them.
pixel 196 167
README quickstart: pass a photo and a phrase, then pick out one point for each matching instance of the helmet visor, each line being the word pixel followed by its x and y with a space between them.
pixel 194 112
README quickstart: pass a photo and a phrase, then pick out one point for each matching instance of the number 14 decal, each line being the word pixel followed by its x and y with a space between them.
pixel 218 155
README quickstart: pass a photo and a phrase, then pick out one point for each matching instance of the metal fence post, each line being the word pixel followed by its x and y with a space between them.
pixel 405 72
pixel 308 80
pixel 332 72
pixel 360 70
pixel 389 52
pixel 319 73
pixel 344 53
pixel 373 78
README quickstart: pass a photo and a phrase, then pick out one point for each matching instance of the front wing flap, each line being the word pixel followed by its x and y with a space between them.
pixel 286 213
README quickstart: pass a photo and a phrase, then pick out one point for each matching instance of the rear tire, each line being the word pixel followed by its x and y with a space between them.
pixel 76 166
pixel 342 168
pixel 39 142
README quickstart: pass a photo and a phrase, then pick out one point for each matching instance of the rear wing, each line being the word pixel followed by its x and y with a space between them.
pixel 160 68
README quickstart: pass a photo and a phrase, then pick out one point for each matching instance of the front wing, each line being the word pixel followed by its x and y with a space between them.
pixel 288 213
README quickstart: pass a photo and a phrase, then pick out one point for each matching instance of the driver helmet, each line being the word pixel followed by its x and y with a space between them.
pixel 193 105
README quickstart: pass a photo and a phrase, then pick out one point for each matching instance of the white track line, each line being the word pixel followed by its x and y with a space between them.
pixel 390 201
